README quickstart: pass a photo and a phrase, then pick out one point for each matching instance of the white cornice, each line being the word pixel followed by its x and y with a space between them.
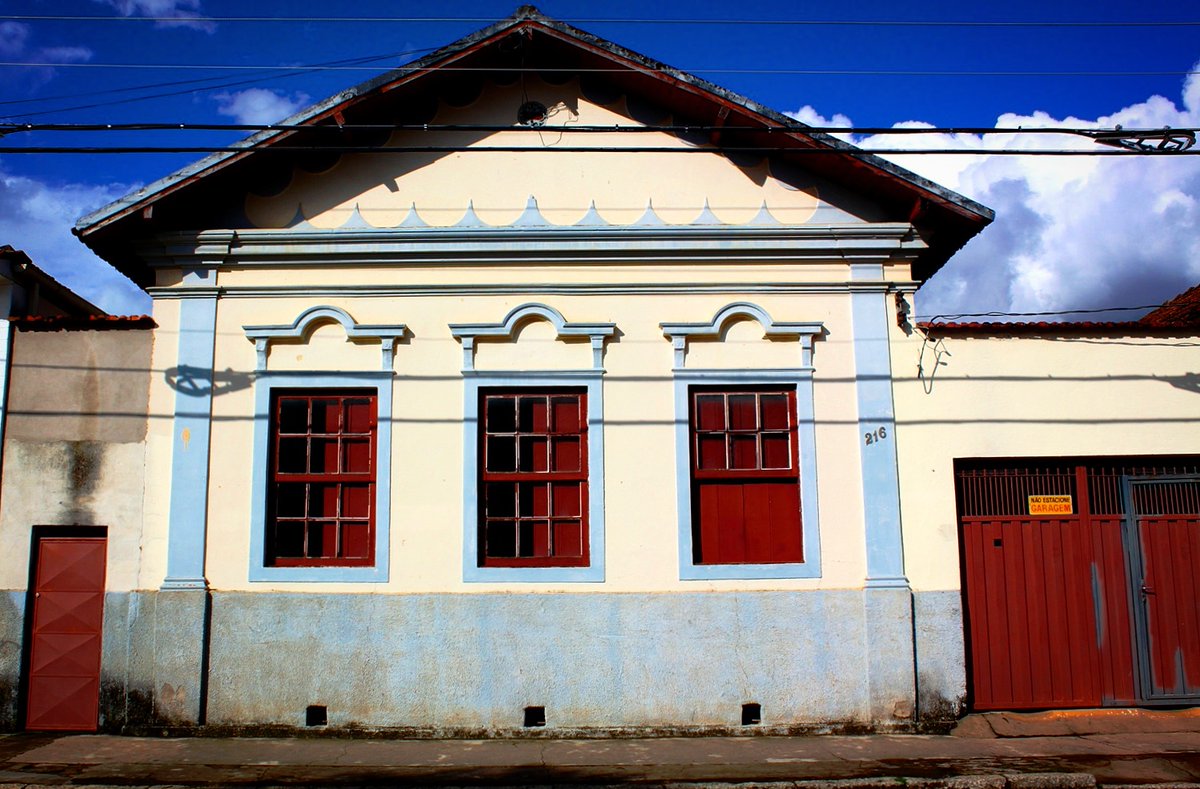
pixel 893 241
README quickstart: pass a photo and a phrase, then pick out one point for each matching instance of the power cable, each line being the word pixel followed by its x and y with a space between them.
pixel 421 149
pixel 619 21
pixel 612 70
pixel 201 80
pixel 602 129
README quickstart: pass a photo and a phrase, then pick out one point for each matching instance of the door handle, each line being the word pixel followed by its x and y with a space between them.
pixel 1148 589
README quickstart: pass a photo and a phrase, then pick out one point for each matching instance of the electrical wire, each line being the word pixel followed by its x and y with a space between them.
pixel 671 128
pixel 611 20
pixel 423 149
pixel 999 314
pixel 202 80
pixel 611 70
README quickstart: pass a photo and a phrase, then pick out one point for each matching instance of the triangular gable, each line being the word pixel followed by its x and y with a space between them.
pixel 526 43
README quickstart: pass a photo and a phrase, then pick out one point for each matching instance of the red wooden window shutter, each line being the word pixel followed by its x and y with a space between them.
pixel 745 476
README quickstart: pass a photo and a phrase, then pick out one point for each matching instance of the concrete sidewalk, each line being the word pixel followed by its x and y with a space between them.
pixel 998 755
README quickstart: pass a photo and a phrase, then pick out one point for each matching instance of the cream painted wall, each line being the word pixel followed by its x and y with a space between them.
pixel 497 184
pixel 1027 397
pixel 427 484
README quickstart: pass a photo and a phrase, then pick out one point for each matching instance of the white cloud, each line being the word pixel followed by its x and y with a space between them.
pixel 37 217
pixel 1070 232
pixel 259 105
pixel 13 38
pixel 187 12
pixel 67 54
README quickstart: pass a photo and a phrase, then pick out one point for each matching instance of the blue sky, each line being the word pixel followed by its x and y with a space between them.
pixel 1070 233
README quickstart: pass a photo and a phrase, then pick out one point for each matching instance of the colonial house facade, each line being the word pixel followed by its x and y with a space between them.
pixel 537 384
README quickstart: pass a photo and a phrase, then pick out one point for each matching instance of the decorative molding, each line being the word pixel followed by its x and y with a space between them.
pixel 802 380
pixel 560 289
pixel 474 381
pixel 470 242
pixel 681 333
pixel 468 333
pixel 305 322
pixel 264 384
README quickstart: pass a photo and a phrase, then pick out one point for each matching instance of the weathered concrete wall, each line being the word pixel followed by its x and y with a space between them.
pixel 601 660
pixel 12 628
pixel 79 386
pixel 74 455
pixel 940 655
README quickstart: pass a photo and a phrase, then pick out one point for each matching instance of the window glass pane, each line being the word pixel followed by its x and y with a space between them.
pixel 501 453
pixel 743 412
pixel 358 416
pixel 532 415
pixel 323 501
pixel 743 451
pixel 501 499
pixel 566 454
pixel 710 412
pixel 357 456
pixel 322 540
pixel 534 499
pixel 710 451
pixel 501 415
pixel 356 542
pixel 774 411
pixel 534 539
pixel 567 499
pixel 356 501
pixel 568 538
pixel 289 539
pixel 533 453
pixel 566 414
pixel 326 416
pixel 289 499
pixel 324 458
pixel 777 450
pixel 501 539
pixel 293 415
pixel 292 456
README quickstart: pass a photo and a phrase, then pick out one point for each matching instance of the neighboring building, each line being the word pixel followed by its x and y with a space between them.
pixel 484 424
pixel 74 430
pixel 1072 452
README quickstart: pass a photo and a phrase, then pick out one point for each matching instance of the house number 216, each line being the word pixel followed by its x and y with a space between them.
pixel 875 435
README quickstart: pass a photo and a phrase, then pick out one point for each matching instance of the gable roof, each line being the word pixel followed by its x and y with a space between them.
pixel 45 296
pixel 531 41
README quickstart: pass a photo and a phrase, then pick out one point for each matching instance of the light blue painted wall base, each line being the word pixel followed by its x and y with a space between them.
pixel 642 663
pixel 941 655
pixel 650 661
pixel 887 613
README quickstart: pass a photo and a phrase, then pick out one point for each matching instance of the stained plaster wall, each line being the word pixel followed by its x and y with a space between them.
pixel 73 456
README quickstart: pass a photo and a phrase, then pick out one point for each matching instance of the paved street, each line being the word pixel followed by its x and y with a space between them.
pixel 987 752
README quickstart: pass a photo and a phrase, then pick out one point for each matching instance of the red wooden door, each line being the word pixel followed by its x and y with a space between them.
pixel 64 652
pixel 1032 614
pixel 1168 535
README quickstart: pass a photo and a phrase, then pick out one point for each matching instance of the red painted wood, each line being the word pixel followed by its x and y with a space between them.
pixel 1170 555
pixel 1118 661
pixel 68 619
pixel 1033 642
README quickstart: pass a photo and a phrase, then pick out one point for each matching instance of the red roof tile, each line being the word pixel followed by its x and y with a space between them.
pixel 83 323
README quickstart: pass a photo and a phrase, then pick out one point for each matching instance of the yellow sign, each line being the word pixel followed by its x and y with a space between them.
pixel 1050 505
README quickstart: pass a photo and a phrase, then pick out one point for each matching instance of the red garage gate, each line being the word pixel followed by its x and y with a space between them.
pixel 1080 581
